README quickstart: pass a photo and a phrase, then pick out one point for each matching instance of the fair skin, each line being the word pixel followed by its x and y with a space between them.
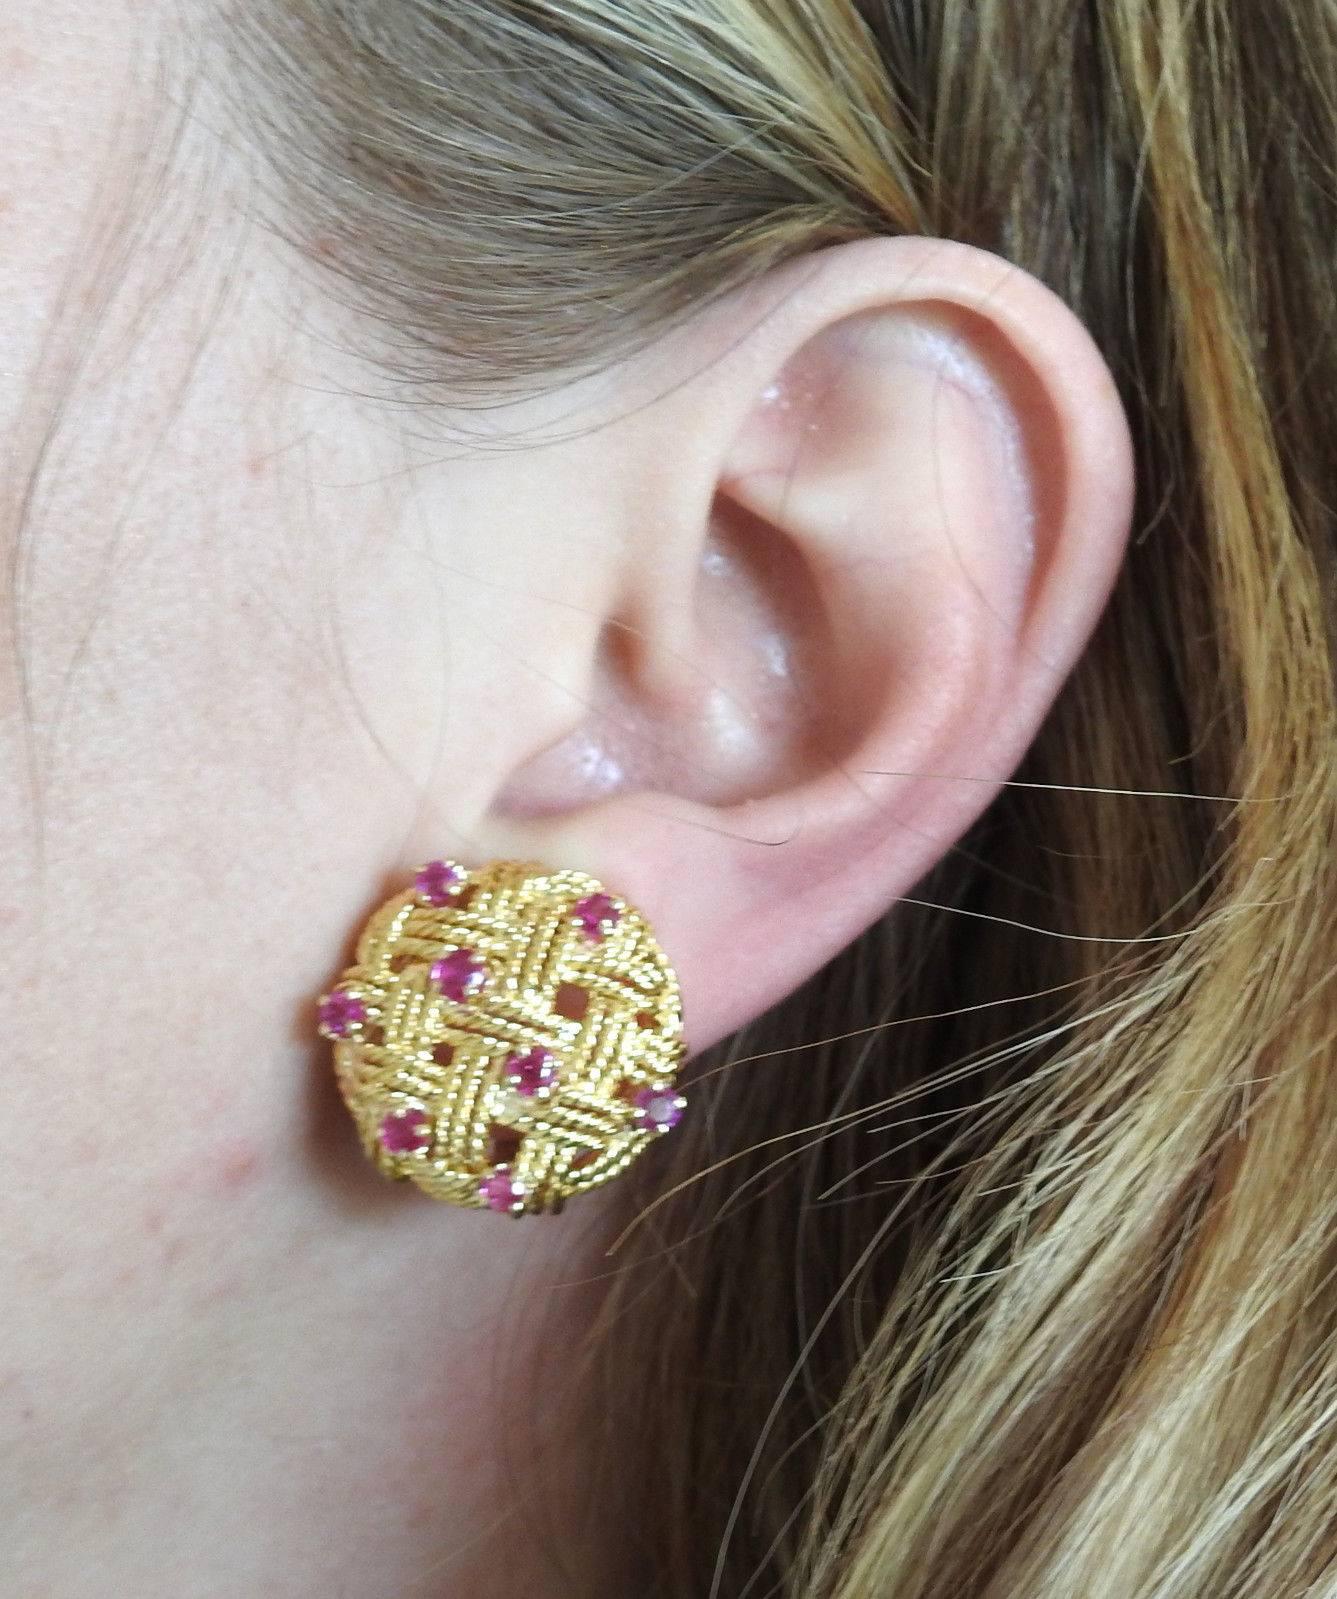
pixel 280 644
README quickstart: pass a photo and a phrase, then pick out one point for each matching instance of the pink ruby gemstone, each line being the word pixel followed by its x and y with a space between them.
pixel 437 881
pixel 340 1012
pixel 596 913
pixel 658 1109
pixel 459 975
pixel 532 1071
pixel 501 1191
pixel 405 1132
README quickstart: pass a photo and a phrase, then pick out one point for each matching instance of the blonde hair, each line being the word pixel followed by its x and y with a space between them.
pixel 1002 1265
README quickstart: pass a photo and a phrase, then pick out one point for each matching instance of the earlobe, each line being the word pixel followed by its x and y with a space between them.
pixel 918 477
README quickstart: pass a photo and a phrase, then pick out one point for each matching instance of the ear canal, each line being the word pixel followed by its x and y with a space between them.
pixel 746 714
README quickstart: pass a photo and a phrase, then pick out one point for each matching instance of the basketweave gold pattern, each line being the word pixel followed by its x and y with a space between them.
pixel 507 1037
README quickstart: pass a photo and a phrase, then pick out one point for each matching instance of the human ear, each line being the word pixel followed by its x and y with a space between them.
pixel 877 527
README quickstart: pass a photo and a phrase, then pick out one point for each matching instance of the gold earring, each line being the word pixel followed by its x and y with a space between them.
pixel 506 1037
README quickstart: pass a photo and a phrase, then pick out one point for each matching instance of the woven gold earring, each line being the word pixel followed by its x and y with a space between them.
pixel 506 1037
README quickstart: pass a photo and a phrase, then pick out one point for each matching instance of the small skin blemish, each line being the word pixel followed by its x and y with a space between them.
pixel 238 1168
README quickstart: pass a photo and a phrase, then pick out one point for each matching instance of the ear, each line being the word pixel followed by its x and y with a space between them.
pixel 874 530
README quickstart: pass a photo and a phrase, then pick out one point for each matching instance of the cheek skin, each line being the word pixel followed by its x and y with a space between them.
pixel 238 1169
pixel 219 1326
